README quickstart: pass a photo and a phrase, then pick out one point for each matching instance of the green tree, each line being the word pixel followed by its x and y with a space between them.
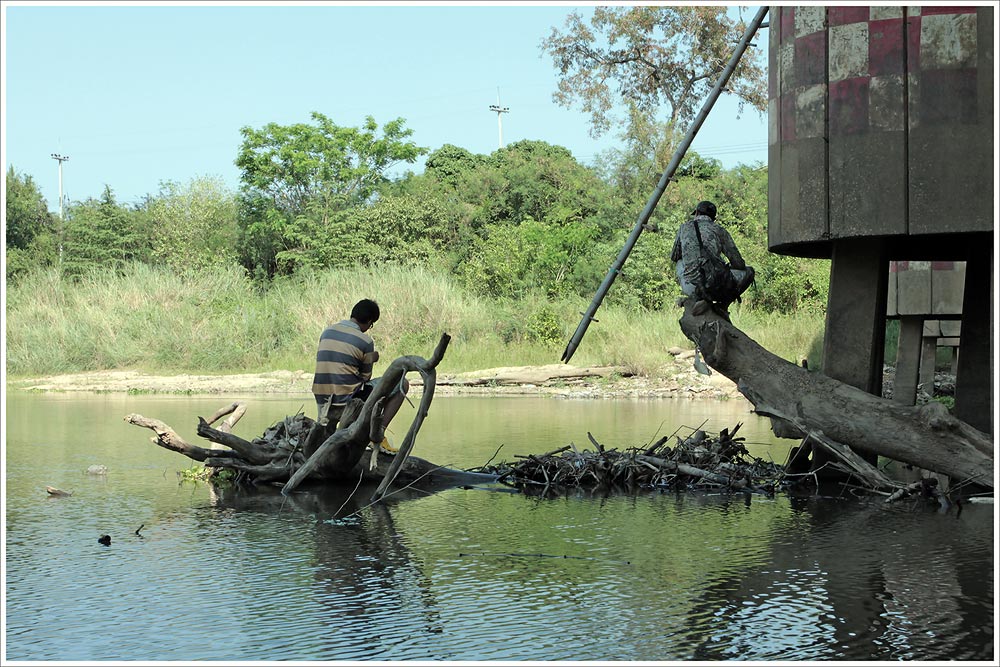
pixel 194 226
pixel 405 229
pixel 298 181
pixel 31 229
pixel 103 235
pixel 537 214
pixel 658 60
pixel 449 163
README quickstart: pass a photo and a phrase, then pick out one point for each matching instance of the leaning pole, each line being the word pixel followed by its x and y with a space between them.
pixel 667 176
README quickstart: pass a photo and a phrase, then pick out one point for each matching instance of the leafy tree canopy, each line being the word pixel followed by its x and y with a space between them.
pixel 27 214
pixel 450 162
pixel 193 226
pixel 101 234
pixel 292 165
pixel 654 60
pixel 31 230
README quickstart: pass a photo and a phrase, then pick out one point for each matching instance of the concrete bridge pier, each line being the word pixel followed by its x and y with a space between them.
pixel 854 344
pixel 853 347
pixel 911 360
pixel 974 377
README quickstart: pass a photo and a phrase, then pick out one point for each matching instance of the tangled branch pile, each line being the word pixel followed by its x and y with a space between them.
pixel 698 461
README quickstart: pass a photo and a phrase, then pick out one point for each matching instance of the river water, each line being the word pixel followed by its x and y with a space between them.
pixel 465 574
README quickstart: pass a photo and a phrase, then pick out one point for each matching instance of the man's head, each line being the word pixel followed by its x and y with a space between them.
pixel 365 313
pixel 705 208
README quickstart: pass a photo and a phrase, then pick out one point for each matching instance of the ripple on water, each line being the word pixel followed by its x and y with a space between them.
pixel 467 575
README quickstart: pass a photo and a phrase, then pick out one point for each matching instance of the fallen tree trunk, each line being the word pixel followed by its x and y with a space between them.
pixel 835 413
pixel 298 448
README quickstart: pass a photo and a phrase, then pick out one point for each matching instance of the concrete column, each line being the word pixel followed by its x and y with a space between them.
pixel 854 344
pixel 974 379
pixel 855 315
pixel 928 361
pixel 911 333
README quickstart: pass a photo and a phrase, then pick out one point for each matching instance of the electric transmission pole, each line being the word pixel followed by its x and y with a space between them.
pixel 60 159
pixel 500 110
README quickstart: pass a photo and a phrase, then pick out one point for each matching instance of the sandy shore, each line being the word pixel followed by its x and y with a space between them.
pixel 676 379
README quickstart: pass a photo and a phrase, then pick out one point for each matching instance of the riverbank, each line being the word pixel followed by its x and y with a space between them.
pixel 677 378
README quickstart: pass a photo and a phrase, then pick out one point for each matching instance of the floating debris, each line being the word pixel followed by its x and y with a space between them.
pixel 59 493
pixel 97 470
pixel 105 540
pixel 698 461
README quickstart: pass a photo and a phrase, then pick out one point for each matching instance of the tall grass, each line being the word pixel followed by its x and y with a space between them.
pixel 220 322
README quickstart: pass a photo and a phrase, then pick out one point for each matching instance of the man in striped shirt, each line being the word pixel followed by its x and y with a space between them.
pixel 344 364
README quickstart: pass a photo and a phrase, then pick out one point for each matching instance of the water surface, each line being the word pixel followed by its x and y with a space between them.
pixel 465 574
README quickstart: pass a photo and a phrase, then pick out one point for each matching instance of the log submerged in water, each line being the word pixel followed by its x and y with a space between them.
pixel 836 415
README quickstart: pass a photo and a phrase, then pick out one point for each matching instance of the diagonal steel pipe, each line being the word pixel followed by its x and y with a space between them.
pixel 668 174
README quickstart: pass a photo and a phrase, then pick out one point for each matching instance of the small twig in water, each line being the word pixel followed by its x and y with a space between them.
pixel 491 458
pixel 356 486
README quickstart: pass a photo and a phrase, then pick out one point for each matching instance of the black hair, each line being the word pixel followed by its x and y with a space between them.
pixel 705 208
pixel 365 310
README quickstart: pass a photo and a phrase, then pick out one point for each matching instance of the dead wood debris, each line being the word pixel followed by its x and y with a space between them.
pixel 699 461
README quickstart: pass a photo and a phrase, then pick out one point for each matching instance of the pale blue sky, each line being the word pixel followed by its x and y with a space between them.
pixel 136 95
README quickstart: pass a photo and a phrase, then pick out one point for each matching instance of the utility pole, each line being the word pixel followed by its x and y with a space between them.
pixel 500 110
pixel 60 159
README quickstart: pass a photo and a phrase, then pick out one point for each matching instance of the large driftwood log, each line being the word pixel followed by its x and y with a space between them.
pixel 299 448
pixel 834 413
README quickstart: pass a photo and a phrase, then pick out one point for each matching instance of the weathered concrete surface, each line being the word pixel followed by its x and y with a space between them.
pixel 908 359
pixel 855 325
pixel 881 148
pixel 884 124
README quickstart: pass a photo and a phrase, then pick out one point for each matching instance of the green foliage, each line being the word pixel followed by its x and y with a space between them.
pixel 299 181
pixel 497 265
pixel 647 280
pixel 449 163
pixel 194 226
pixel 655 58
pixel 946 401
pixel 544 327
pixel 404 229
pixel 696 166
pixel 294 165
pixel 31 230
pixel 103 235
pixel 27 214
pixel 202 474
pixel 789 284
pixel 219 321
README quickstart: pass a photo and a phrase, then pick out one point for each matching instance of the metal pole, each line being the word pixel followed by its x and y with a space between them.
pixel 667 176
pixel 60 159
pixel 500 110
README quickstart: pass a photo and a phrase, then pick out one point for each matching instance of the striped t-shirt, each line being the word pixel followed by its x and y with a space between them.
pixel 343 362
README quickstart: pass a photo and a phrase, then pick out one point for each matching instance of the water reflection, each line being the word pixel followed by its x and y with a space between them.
pixel 465 574
pixel 832 591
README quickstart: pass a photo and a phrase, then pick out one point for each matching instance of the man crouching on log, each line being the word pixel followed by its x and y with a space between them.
pixel 701 271
pixel 344 362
